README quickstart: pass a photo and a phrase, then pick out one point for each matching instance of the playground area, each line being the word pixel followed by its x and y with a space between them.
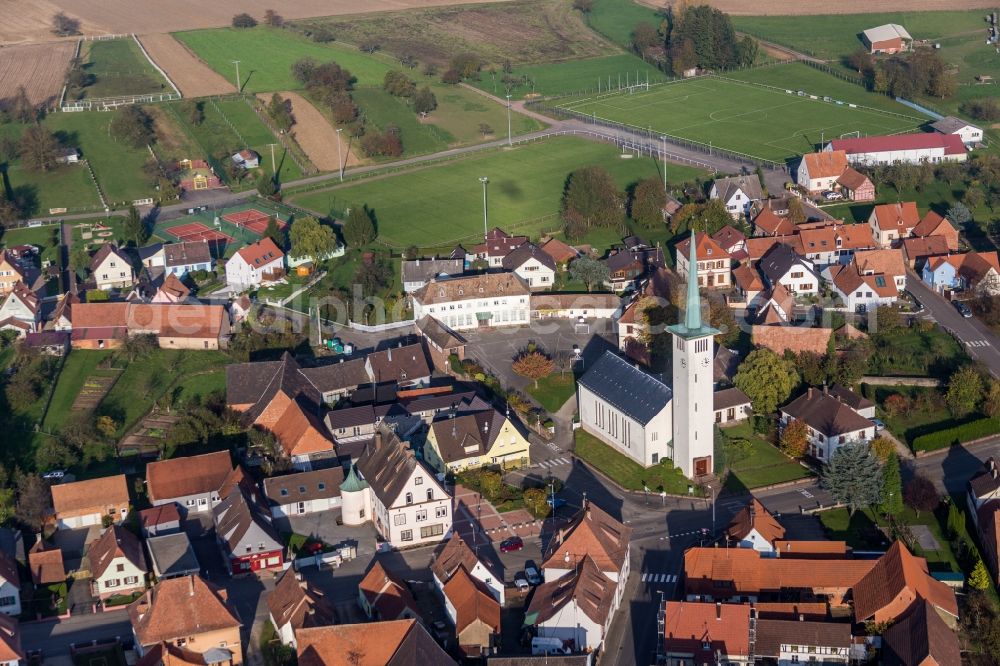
pixel 226 229
pixel 198 175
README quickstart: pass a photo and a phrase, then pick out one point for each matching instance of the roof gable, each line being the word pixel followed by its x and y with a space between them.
pixel 635 393
pixel 592 534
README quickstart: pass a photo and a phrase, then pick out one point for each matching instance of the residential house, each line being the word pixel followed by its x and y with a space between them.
pixel 490 300
pixel 189 613
pixel 10 586
pixel 61 318
pixel 759 247
pixel 629 264
pixel 775 306
pixel 987 520
pixel 474 612
pixel 178 259
pixel 45 561
pixel 748 283
pixel 916 251
pixel 296 604
pixel 162 519
pixel 111 268
pixel 627 409
pixel 704 633
pixel 755 527
pixel 872 279
pixel 631 323
pixel 860 404
pixel 246 158
pixel 983 486
pixel 85 503
pixel 782 265
pixel 730 406
pixel 189 482
pixel 737 193
pixel 833 243
pixel 176 326
pixel 831 422
pixel 172 556
pixel 457 554
pixel 920 637
pixel 255 264
pixel 560 252
pixel 934 225
pixel 351 424
pixel 117 565
pixel 497 245
pixel 909 148
pixel 574 306
pixel 384 596
pixel 441 342
pixel 977 272
pixel 574 608
pixel 337 380
pixel 891 222
pixel 769 223
pixel 239 309
pixel 396 643
pixel 888 39
pixel 855 185
pixel 248 539
pixel 535 267
pixel 819 172
pixel 970 134
pixel 733 241
pixel 473 439
pixel 418 272
pixel 406 503
pixel 301 493
pixel 897 580
pixel 171 290
pixel 11 272
pixel 20 311
pixel 789 641
pixel 405 365
pixel 714 263
pixel 11 652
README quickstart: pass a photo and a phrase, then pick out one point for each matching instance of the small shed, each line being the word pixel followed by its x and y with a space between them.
pixel 246 158
pixel 159 520
pixel 172 556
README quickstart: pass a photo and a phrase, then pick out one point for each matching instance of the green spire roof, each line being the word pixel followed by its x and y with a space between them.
pixel 353 483
pixel 692 314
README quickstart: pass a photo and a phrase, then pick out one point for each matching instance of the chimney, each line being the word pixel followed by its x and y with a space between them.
pixel 826 390
pixel 190 586
pixel 802 617
pixel 809 393
pixel 389 351
pixel 378 440
pixel 718 610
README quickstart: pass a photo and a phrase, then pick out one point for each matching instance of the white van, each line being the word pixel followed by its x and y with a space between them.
pixel 541 645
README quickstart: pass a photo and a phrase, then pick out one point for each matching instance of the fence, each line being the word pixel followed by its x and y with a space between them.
pixel 112 103
pixel 292 148
pixel 155 66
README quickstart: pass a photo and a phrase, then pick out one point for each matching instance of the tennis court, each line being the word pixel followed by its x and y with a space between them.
pixel 196 231
pixel 252 219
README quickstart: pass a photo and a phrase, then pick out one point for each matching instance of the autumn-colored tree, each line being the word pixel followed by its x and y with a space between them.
pixel 106 426
pixel 533 365
pixel 882 447
pixel 795 438
pixel 920 494
pixel 491 483
pixel 991 405
pixel 980 577
pixel 897 404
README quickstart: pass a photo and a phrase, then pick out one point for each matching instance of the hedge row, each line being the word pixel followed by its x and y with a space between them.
pixel 957 435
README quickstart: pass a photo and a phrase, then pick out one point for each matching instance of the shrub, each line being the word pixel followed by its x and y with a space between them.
pixel 959 434
pixel 451 77
pixel 244 21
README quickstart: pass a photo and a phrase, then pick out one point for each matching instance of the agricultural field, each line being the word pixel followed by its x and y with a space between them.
pixel 544 31
pixel 444 202
pixel 266 56
pixel 119 68
pixel 40 68
pixel 745 118
pixel 191 76
pixel 616 19
pixel 571 77
pixel 314 133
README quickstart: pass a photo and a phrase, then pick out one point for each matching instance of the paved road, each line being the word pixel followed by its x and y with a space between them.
pixel 980 342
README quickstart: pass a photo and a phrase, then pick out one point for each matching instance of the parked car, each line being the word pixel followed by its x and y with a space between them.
pixel 879 426
pixel 521 583
pixel 962 308
pixel 55 474
pixel 314 547
pixel 511 545
pixel 532 572
pixel 832 196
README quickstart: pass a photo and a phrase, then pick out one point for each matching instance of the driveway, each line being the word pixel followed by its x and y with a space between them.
pixel 979 341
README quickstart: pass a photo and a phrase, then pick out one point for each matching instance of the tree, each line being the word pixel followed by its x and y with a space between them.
pixel 194 111
pixel 467 65
pixel 860 61
pixel 991 404
pixel 956 522
pixel 853 476
pixel 973 197
pixel 589 271
pixel 266 187
pixel 135 230
pixel 796 212
pixel 897 404
pixel 492 484
pixel 274 232
pixel 33 501
pixel 485 129
pixel 882 447
pixel 133 126
pixel 984 108
pixel 309 238
pixel 536 500
pixel 965 391
pixel 451 77
pixel 273 19
pixel 424 101
pixel 398 84
pixel 795 438
pixel 139 346
pixel 20 107
pixel 106 426
pixel 280 110
pixel 892 487
pixel 646 205
pixel 920 494
pixel 584 6
pixel 746 51
pixel 359 228
pixel 591 199
pixel 65 26
pixel 767 379
pixel 38 149
pixel 959 213
pixel 710 33
pixel 373 277
pixel 644 36
pixel 244 20
pixel 79 258
pixel 533 365
pixel 980 577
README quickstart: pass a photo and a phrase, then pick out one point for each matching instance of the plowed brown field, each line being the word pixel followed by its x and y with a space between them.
pixel 809 7
pixel 188 72
pixel 40 68
pixel 316 136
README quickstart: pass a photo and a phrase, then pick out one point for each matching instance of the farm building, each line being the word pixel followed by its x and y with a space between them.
pixel 819 171
pixel 908 148
pixel 889 38
pixel 856 186
pixel 68 156
pixel 246 158
pixel 970 134
pixel 176 326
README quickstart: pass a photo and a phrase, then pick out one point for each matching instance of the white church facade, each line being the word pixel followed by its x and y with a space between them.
pixel 641 416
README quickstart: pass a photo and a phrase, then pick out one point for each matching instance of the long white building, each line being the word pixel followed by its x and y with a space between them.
pixel 910 148
pixel 463 303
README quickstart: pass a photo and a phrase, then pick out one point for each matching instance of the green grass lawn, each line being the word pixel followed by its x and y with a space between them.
pixel 68 186
pixel 45 237
pixel 201 384
pixel 442 205
pixel 461 111
pixel 383 109
pixel 764 465
pixel 760 122
pixel 573 76
pixel 616 19
pixel 266 56
pixel 120 69
pixel 928 414
pixel 80 364
pixel 553 391
pixel 628 473
pixel 918 351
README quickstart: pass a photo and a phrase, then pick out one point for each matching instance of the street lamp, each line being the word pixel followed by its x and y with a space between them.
pixel 509 141
pixel 484 180
pixel 712 491
pixel 340 154
pixel 663 156
pixel 237 63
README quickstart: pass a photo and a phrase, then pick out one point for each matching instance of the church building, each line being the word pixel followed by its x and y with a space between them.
pixel 642 417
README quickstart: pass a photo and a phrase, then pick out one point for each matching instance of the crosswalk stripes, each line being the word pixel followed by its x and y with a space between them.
pixel 554 462
pixel 977 343
pixel 659 578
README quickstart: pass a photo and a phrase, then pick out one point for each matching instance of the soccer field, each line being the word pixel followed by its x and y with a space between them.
pixel 742 117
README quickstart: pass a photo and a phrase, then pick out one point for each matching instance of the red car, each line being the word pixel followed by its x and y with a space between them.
pixel 314 547
pixel 511 545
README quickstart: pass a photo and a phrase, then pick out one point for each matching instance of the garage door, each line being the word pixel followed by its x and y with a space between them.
pixel 75 522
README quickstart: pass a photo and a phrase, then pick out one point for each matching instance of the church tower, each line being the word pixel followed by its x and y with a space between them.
pixel 694 414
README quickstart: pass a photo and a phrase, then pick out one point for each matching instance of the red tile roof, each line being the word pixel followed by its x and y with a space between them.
pixel 260 253
pixel 899 576
pixel 387 593
pixel 754 516
pixel 825 164
pixel 191 475
pixel 901 217
pixel 704 629
pixel 952 143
